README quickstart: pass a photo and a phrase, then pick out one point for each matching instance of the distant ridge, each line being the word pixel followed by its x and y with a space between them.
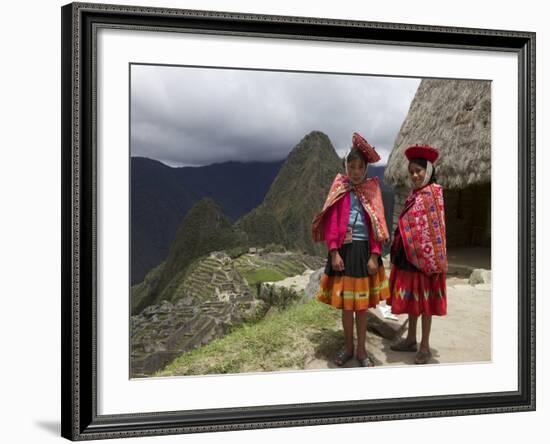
pixel 162 195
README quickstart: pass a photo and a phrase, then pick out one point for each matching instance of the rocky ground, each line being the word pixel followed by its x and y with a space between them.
pixel 464 335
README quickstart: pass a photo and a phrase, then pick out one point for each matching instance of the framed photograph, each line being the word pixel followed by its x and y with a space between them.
pixel 203 156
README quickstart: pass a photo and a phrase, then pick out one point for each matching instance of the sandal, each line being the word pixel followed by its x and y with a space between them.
pixel 404 346
pixel 366 362
pixel 342 357
pixel 422 357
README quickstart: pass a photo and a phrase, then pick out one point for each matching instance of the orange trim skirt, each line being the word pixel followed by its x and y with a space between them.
pixel 354 293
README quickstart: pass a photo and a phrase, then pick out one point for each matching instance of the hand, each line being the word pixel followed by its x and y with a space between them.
pixel 372 264
pixel 337 262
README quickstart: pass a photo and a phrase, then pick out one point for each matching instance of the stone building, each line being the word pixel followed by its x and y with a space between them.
pixel 455 117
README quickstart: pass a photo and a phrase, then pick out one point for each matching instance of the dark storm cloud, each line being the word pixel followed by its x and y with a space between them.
pixel 197 116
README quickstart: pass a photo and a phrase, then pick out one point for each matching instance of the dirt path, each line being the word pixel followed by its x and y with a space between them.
pixel 464 335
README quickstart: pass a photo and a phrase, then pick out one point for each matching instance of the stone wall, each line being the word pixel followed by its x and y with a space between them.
pixel 214 298
pixel 162 332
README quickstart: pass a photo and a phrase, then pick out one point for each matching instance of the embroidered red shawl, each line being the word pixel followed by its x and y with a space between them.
pixel 369 195
pixel 422 229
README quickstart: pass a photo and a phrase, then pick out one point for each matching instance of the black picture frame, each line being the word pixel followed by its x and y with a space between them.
pixel 80 420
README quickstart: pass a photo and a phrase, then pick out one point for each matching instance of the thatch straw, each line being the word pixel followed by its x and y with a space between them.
pixel 455 117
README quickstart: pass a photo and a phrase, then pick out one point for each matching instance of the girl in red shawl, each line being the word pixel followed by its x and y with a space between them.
pixel 353 225
pixel 418 253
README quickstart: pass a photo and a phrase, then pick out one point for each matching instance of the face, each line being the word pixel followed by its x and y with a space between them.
pixel 417 174
pixel 356 171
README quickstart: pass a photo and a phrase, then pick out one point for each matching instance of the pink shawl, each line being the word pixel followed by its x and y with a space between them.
pixel 369 195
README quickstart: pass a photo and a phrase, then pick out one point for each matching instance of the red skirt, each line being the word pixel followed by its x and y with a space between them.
pixel 415 293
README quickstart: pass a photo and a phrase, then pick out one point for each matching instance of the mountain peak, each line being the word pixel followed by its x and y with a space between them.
pixel 315 140
pixel 296 194
pixel 313 150
pixel 315 134
pixel 206 204
pixel 204 229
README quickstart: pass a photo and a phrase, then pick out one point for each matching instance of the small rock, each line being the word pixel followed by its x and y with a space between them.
pixel 387 328
pixel 480 276
pixel 313 285
pixel 272 311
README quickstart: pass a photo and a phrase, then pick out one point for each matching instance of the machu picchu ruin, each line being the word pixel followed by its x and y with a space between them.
pixel 217 293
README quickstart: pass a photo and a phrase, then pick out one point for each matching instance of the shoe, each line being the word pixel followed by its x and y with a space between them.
pixel 342 357
pixel 422 357
pixel 404 346
pixel 366 362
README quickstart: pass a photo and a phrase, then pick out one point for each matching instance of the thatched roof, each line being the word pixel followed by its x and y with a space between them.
pixel 455 117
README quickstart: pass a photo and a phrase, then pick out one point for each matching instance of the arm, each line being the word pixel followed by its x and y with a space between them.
pixel 331 237
pixel 331 228
pixel 375 249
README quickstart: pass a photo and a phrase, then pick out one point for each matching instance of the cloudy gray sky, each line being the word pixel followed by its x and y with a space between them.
pixel 198 116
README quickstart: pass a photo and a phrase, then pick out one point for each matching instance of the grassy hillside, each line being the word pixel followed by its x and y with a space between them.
pixel 283 341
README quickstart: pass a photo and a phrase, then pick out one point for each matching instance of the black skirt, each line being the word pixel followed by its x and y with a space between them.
pixel 355 256
pixel 400 259
pixel 398 256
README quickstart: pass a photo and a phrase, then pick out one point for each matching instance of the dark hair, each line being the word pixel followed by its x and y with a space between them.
pixel 423 163
pixel 354 154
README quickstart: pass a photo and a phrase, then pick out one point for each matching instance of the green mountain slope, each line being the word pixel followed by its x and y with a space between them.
pixel 204 229
pixel 296 195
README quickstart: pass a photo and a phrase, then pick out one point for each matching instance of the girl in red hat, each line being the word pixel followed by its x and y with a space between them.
pixel 418 253
pixel 353 225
